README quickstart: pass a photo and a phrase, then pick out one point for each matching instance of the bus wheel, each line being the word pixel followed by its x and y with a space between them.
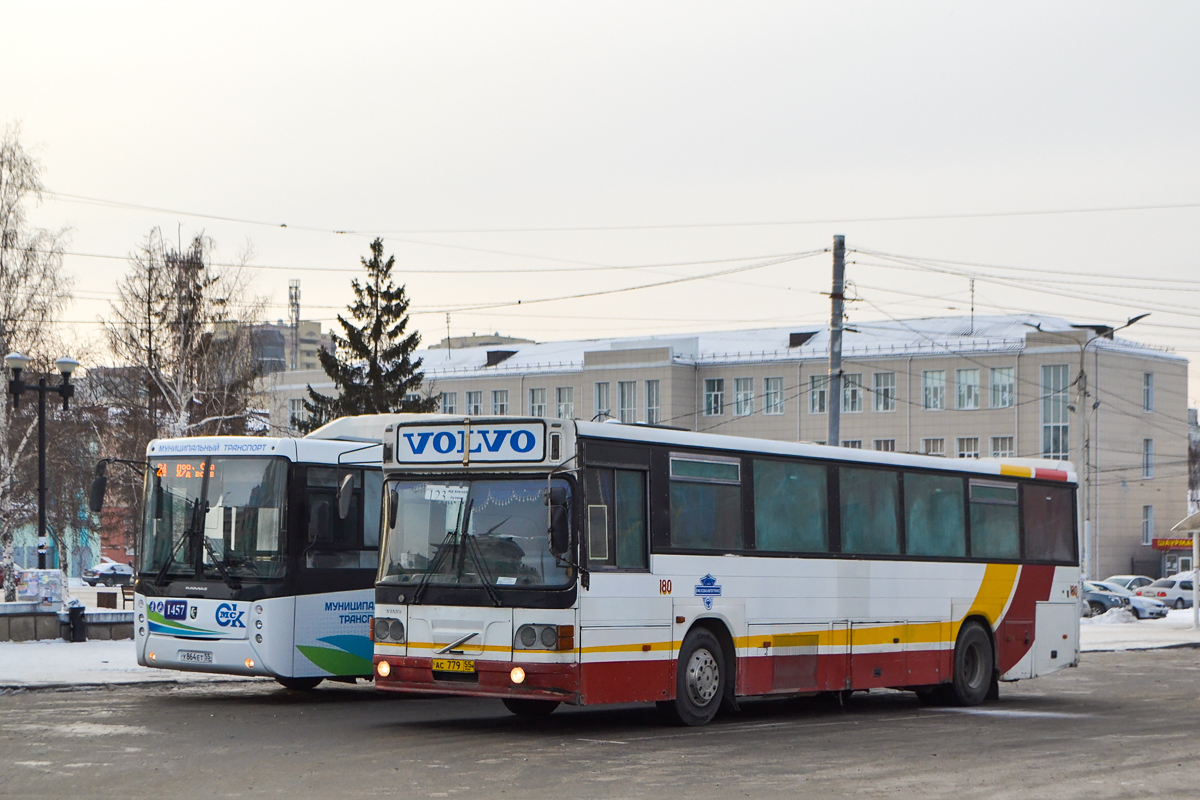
pixel 699 679
pixel 530 708
pixel 973 665
pixel 298 684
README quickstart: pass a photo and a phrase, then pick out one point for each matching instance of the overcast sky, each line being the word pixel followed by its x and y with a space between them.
pixel 403 120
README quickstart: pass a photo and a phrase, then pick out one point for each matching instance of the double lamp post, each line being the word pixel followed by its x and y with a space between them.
pixel 16 387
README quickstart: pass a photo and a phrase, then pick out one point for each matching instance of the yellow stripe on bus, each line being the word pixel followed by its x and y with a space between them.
pixel 1016 472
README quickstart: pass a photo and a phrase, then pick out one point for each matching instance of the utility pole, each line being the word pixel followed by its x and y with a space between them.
pixel 837 296
pixel 294 322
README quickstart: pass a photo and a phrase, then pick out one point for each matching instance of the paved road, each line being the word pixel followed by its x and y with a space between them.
pixel 1112 728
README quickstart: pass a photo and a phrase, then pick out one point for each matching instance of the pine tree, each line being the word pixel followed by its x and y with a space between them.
pixel 372 364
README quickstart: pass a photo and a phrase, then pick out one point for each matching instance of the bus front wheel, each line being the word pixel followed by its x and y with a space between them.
pixel 530 708
pixel 974 665
pixel 699 680
pixel 298 684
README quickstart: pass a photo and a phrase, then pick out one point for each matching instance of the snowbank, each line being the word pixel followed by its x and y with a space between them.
pixel 59 663
pixel 1108 631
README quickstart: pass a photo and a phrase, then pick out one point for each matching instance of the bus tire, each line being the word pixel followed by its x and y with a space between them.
pixel 699 679
pixel 974 665
pixel 298 684
pixel 530 709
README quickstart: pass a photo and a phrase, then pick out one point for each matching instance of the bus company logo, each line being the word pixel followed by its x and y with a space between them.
pixel 437 444
pixel 229 617
pixel 175 609
pixel 707 589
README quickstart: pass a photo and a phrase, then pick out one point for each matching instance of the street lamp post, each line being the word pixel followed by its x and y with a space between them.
pixel 16 387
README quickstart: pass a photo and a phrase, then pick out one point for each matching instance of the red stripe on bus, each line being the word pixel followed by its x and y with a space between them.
pixel 1051 474
pixel 1014 635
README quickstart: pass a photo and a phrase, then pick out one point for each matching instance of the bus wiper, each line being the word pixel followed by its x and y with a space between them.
pixel 166 567
pixel 440 555
pixel 477 557
pixel 219 564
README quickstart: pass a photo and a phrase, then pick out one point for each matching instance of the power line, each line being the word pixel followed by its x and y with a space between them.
pixel 74 198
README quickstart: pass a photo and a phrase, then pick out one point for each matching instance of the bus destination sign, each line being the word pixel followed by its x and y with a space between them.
pixel 489 442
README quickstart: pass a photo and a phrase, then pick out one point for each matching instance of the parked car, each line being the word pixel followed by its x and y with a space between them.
pixel 1143 607
pixel 1130 582
pixel 1097 600
pixel 1175 591
pixel 108 573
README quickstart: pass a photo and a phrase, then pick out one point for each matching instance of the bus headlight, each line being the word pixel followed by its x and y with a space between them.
pixel 545 637
pixel 388 630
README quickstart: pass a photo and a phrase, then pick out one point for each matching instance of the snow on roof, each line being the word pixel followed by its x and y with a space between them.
pixel 928 336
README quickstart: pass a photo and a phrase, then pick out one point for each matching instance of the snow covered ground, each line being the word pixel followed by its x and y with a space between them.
pixel 1117 630
pixel 59 663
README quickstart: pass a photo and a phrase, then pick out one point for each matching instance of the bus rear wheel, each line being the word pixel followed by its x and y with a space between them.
pixel 974 666
pixel 530 708
pixel 298 684
pixel 699 680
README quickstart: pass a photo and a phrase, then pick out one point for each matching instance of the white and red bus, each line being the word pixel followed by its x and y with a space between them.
pixel 547 561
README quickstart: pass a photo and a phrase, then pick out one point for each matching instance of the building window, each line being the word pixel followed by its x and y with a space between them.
pixel 1003 447
pixel 537 402
pixel 818 391
pixel 933 447
pixel 1003 387
pixel 1147 391
pixel 714 397
pixel 968 446
pixel 1055 424
pixel 772 395
pixel 885 445
pixel 602 407
pixel 449 402
pixel 653 403
pixel 967 383
pixel 296 411
pixel 885 391
pixel 743 396
pixel 933 382
pixel 564 402
pixel 627 401
pixel 474 403
pixel 1147 458
pixel 1147 525
pixel 852 392
pixel 500 401
pixel 853 444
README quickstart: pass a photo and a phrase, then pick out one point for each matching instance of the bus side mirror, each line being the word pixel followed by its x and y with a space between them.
pixel 345 495
pixel 393 497
pixel 559 524
pixel 96 496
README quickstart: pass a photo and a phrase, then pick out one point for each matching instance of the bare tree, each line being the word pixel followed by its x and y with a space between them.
pixel 33 291
pixel 183 326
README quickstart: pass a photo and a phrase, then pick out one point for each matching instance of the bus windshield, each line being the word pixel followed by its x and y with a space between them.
pixel 469 532
pixel 215 518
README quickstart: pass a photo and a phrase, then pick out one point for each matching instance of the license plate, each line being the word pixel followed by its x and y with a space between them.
pixel 195 657
pixel 452 665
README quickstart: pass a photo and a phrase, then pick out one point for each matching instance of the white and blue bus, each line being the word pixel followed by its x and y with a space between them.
pixel 257 556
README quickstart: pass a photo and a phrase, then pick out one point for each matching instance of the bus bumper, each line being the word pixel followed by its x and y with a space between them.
pixel 491 679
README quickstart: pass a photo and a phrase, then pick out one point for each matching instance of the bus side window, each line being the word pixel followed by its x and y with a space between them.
pixel 791 508
pixel 1049 523
pixel 706 503
pixel 615 519
pixel 334 542
pixel 995 527
pixel 934 515
pixel 869 504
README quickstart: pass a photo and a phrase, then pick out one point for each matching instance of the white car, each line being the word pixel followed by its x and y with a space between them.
pixel 1143 607
pixel 108 573
pixel 1175 591
pixel 1130 582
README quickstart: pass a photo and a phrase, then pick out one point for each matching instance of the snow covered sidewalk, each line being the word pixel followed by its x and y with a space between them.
pixel 59 663
pixel 1118 630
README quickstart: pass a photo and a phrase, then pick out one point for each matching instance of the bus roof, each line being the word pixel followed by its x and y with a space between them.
pixel 1018 467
